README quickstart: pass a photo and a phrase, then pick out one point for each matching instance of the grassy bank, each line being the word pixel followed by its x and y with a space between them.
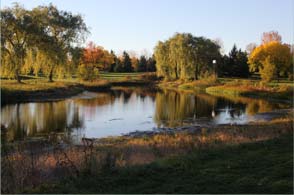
pixel 282 90
pixel 256 158
pixel 260 167
pixel 39 89
pixel 254 89
pixel 42 90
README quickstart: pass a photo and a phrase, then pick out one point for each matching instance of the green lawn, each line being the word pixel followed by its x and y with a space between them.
pixel 118 76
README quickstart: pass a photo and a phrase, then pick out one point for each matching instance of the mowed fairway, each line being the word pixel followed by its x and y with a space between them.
pixel 119 76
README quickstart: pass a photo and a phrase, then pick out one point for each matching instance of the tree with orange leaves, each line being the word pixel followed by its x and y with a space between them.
pixel 88 69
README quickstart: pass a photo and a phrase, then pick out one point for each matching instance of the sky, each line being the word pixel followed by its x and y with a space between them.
pixel 137 25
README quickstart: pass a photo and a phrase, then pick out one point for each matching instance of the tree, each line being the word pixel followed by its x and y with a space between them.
pixel 112 65
pixel 235 64
pixel 126 62
pixel 250 48
pixel 118 65
pixel 91 61
pixel 106 60
pixel 151 64
pixel 184 56
pixel 63 29
pixel 267 72
pixel 18 32
pixel 75 58
pixel 268 37
pixel 135 64
pixel 279 54
pixel 142 65
pixel 88 72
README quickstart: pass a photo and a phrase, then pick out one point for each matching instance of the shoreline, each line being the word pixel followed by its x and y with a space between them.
pixel 61 93
pixel 46 92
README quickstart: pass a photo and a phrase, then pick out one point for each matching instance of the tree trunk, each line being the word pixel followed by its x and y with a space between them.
pixel 17 77
pixel 196 73
pixel 176 72
pixel 51 75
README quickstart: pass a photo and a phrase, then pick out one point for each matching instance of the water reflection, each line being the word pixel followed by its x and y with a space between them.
pixel 30 119
pixel 124 110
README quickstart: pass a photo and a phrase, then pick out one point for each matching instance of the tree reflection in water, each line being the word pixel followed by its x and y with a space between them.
pixel 30 119
pixel 123 110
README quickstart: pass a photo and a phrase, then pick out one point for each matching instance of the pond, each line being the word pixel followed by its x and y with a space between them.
pixel 123 110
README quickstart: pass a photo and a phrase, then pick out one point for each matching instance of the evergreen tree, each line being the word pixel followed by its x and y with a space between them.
pixel 151 64
pixel 235 64
pixel 142 66
pixel 127 63
pixel 112 66
pixel 118 65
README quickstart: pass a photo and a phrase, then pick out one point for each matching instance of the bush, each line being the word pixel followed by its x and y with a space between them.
pixel 88 72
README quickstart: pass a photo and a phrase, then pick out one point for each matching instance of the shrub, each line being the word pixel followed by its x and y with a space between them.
pixel 88 72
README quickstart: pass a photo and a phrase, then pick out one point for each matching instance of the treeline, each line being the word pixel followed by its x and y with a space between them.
pixel 95 58
pixel 45 41
pixel 187 57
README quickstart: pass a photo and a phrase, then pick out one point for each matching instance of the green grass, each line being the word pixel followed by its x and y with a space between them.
pixel 248 88
pixel 119 76
pixel 260 167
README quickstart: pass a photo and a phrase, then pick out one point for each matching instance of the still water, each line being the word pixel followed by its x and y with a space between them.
pixel 124 110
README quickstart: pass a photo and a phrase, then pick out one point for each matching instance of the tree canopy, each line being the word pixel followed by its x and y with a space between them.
pixel 271 54
pixel 46 29
pixel 184 56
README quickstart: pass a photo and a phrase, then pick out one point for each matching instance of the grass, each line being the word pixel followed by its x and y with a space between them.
pixel 38 88
pixel 255 89
pixel 278 90
pixel 259 167
pixel 255 158
pixel 119 76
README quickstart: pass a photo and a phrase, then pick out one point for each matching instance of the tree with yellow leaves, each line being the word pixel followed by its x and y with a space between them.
pixel 270 54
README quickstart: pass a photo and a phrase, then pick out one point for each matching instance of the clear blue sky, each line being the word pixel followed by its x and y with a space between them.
pixel 140 24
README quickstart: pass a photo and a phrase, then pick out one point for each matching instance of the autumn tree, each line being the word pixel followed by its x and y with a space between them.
pixel 268 37
pixel 89 67
pixel 271 54
pixel 268 70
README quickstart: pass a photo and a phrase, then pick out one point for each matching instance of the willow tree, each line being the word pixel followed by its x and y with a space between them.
pixel 162 60
pixel 184 56
pixel 18 32
pixel 62 30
